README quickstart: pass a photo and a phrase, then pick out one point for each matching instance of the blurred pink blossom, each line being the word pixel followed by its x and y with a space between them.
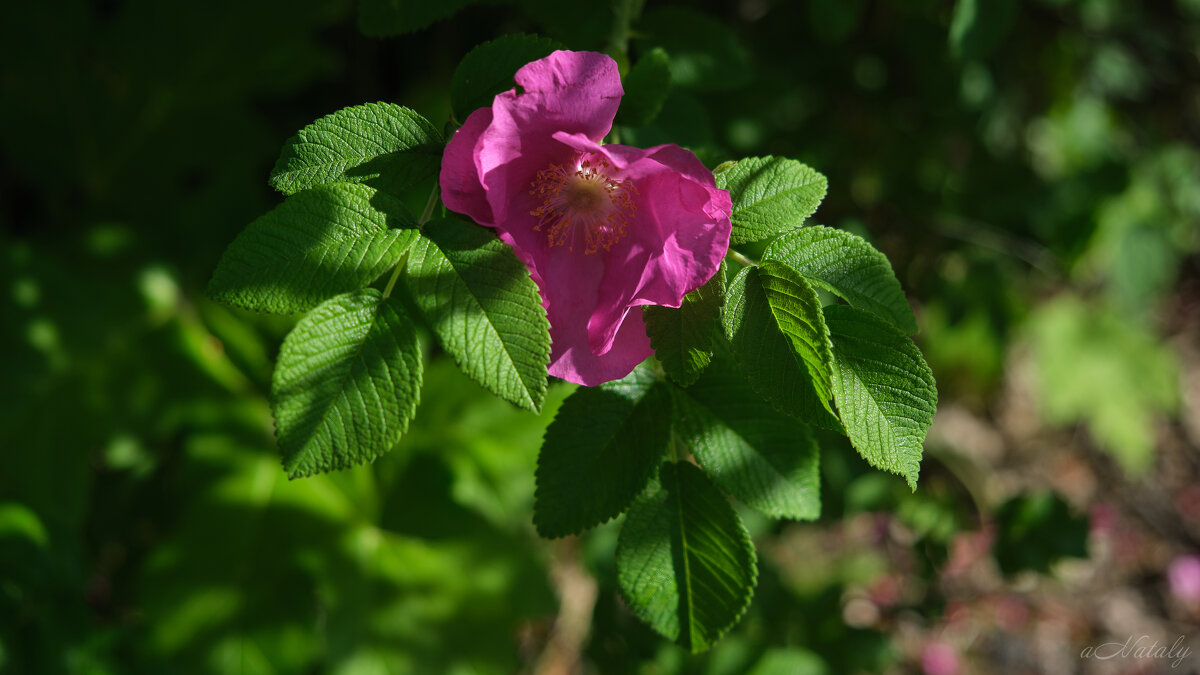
pixel 940 658
pixel 1183 576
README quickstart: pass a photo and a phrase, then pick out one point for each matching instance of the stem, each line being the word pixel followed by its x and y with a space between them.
pixel 429 205
pixel 577 603
pixel 387 291
pixel 425 216
pixel 625 12
pixel 742 259
pixel 658 369
pixel 679 451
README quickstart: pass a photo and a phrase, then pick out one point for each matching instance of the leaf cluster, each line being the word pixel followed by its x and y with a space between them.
pixel 348 377
pixel 813 336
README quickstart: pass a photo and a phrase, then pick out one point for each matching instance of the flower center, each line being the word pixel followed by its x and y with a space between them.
pixel 580 199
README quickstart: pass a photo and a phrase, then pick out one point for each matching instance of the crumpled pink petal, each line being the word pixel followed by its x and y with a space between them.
pixel 460 174
pixel 676 232
pixel 674 245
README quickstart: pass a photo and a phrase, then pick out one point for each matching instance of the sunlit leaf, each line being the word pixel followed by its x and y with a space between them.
pixel 770 196
pixel 347 383
pixel 383 143
pixel 883 388
pixel 318 243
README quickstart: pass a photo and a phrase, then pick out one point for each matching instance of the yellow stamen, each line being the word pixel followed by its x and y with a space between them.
pixel 582 198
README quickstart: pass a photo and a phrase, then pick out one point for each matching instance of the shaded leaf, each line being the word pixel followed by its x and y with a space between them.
pixel 773 320
pixel 488 70
pixel 682 337
pixel 646 88
pixel 600 452
pixel 685 562
pixel 764 458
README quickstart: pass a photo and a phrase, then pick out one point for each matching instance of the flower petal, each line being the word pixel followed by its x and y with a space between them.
pixel 569 299
pixel 575 92
pixel 630 346
pixel 675 243
pixel 675 239
pixel 462 190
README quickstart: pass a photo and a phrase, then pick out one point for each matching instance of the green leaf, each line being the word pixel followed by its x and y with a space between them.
pixel 773 320
pixel 347 383
pixel 485 308
pixel 387 145
pixel 705 54
pixel 1094 366
pixel 385 18
pixel 790 660
pixel 770 194
pixel 682 337
pixel 646 88
pixel 764 458
pixel 600 452
pixel 845 264
pixel 316 244
pixel 883 389
pixel 685 562
pixel 489 68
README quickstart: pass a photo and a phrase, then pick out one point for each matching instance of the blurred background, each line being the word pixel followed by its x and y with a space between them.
pixel 1031 168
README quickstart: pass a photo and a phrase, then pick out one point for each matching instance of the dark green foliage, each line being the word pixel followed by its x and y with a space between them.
pixel 774 322
pixel 685 562
pixel 646 88
pixel 489 68
pixel 979 26
pixel 599 453
pixel 705 54
pixel 682 337
pixel 385 18
pixel 1037 530
pixel 764 458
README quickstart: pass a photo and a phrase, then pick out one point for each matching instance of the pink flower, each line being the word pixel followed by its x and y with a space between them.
pixel 1183 576
pixel 940 658
pixel 602 229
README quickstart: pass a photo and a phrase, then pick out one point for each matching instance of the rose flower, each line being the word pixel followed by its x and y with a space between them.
pixel 602 228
